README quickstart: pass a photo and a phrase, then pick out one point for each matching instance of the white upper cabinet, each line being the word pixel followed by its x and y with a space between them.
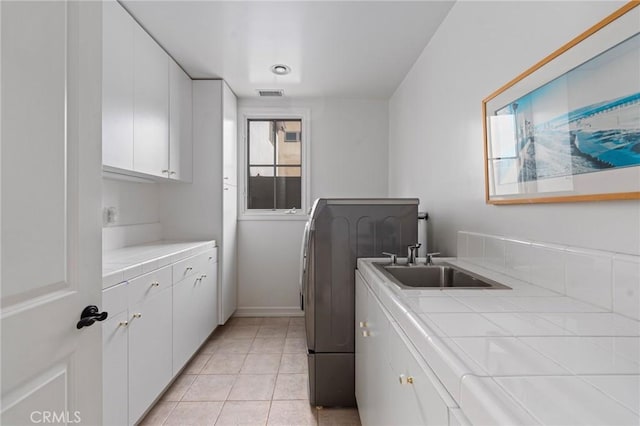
pixel 180 124
pixel 150 106
pixel 229 137
pixel 117 87
pixel 147 103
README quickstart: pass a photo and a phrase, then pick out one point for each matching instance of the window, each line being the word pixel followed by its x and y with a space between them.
pixel 275 174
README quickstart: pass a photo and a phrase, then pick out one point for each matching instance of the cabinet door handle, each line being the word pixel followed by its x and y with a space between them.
pixel 155 284
pixel 171 173
pixel 365 333
pixel 189 268
pixel 226 178
pixel 165 171
pixel 137 315
pixel 226 189
pixel 203 276
pixel 363 324
pixel 123 323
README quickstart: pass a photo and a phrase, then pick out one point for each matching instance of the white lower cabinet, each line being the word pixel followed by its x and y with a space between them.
pixel 418 398
pixel 185 294
pixel 363 354
pixel 150 367
pixel 195 308
pixel 208 302
pixel 391 385
pixel 114 367
pixel 155 325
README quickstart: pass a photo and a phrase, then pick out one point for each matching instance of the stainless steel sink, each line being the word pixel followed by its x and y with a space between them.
pixel 436 277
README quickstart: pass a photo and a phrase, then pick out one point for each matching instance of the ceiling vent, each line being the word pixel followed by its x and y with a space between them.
pixel 271 92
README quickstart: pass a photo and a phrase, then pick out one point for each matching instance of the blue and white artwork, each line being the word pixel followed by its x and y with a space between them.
pixel 587 120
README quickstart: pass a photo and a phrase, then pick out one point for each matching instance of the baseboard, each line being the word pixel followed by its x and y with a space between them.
pixel 269 311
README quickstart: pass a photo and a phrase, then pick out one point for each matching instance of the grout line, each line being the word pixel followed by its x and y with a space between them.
pixel 164 421
pixel 281 354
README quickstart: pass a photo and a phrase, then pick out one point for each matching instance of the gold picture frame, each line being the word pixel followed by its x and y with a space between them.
pixel 568 128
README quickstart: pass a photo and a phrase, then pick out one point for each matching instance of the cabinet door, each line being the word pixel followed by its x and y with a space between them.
pixel 186 307
pixel 382 386
pixel 229 136
pixel 151 106
pixel 150 350
pixel 228 259
pixel 208 297
pixel 418 401
pixel 114 370
pixel 180 124
pixel 117 86
pixel 363 380
pixel 408 410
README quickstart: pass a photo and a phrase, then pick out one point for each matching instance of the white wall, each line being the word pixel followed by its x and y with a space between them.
pixel 138 206
pixel 435 134
pixel 348 159
pixel 268 267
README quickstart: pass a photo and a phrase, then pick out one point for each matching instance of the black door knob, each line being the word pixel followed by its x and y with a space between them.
pixel 89 315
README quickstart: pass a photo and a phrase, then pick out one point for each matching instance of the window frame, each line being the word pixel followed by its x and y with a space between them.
pixel 267 113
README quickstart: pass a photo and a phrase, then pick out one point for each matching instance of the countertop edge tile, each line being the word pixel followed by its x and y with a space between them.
pixel 129 262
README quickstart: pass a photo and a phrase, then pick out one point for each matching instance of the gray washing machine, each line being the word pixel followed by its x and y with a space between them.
pixel 338 232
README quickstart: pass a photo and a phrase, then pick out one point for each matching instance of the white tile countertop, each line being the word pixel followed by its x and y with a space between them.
pixel 129 262
pixel 527 355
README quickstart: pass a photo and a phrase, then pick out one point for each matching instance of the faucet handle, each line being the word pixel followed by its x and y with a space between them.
pixel 393 256
pixel 430 257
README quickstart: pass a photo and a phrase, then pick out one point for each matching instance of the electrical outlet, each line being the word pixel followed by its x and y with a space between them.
pixel 110 215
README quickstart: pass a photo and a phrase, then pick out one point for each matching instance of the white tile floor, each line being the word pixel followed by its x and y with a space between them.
pixel 252 371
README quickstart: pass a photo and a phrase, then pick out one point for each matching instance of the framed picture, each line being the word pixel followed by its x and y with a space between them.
pixel 568 128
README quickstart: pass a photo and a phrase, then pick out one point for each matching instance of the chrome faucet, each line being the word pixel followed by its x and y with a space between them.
pixel 412 252
pixel 393 257
pixel 430 258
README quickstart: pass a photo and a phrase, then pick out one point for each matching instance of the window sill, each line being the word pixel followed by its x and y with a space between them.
pixel 273 216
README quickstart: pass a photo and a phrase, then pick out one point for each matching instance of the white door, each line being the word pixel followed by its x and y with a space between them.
pixel 50 211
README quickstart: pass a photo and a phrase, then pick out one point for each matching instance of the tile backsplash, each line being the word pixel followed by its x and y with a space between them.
pixel 115 237
pixel 605 279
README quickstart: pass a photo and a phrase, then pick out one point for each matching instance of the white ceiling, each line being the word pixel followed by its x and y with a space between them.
pixel 334 48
